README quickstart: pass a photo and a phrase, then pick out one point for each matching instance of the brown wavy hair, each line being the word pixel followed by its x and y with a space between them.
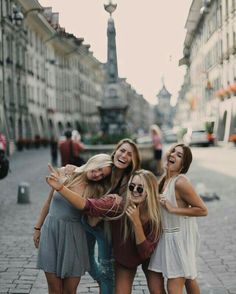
pixel 186 161
pixel 135 165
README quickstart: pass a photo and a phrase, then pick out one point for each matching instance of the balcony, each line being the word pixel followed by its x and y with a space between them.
pixel 232 50
pixel 226 55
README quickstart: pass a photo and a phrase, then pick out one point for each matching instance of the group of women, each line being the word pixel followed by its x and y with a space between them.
pixel 134 221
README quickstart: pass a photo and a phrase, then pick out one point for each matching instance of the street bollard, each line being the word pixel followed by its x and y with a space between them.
pixel 23 193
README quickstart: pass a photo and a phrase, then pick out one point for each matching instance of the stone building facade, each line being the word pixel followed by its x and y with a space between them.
pixel 49 79
pixel 210 59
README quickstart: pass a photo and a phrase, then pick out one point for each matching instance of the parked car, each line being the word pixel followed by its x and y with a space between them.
pixel 144 140
pixel 199 137
pixel 170 136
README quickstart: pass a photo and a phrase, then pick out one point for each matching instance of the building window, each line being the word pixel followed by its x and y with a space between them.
pixel 226 9
pixel 219 17
pixel 233 6
pixel 113 93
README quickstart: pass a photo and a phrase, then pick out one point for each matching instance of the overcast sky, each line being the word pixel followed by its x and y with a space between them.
pixel 149 38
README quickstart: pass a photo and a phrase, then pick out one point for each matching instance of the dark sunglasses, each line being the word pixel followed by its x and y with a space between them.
pixel 139 189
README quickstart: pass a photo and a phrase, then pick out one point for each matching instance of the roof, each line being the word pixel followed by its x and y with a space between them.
pixel 164 93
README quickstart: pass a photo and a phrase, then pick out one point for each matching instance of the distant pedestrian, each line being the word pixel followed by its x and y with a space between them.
pixel 54 150
pixel 76 137
pixel 3 142
pixel 4 161
pixel 69 150
pixel 175 255
pixel 156 136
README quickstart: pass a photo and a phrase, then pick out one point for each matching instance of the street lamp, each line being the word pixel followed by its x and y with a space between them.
pixel 110 7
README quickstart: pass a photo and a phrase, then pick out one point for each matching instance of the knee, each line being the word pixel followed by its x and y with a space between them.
pixel 54 290
pixel 157 290
pixel 69 291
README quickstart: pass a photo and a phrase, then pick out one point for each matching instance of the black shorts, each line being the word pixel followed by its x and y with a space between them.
pixel 158 154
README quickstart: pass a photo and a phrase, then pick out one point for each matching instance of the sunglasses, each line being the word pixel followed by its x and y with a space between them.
pixel 139 189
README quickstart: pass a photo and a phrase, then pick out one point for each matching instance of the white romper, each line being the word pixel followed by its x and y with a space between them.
pixel 175 254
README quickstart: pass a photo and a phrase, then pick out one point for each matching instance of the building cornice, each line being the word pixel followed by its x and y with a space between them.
pixel 193 19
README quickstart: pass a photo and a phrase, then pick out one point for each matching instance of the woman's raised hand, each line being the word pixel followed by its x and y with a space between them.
pixel 36 238
pixel 132 212
pixel 165 203
pixel 54 179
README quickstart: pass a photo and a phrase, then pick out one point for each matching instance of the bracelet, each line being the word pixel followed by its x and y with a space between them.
pixel 37 229
pixel 58 190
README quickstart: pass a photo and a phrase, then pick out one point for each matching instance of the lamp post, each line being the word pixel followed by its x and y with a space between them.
pixel 110 7
pixel 113 107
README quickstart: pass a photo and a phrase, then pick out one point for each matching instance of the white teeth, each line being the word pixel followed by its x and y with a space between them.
pixel 171 160
pixel 121 161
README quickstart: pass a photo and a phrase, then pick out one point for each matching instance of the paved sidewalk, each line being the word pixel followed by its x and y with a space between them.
pixel 217 260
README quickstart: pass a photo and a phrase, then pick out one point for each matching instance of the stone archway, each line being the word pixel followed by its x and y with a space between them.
pixel 52 131
pixel 28 128
pixel 60 128
pixel 42 126
pixel 68 125
pixel 20 128
pixel 11 127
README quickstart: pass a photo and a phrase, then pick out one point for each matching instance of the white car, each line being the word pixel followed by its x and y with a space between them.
pixel 198 137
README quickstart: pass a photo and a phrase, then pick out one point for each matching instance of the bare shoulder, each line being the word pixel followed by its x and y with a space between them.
pixel 182 182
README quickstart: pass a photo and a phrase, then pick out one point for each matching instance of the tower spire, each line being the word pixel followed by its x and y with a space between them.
pixel 114 104
pixel 112 68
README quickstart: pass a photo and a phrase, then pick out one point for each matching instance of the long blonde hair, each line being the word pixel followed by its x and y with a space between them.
pixel 156 129
pixel 151 204
pixel 79 176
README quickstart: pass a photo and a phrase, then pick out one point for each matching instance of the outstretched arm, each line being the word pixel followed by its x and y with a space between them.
pixel 109 205
pixel 56 182
pixel 41 218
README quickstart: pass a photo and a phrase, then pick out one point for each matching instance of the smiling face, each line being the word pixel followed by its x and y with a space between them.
pixel 123 156
pixel 175 160
pixel 137 191
pixel 98 173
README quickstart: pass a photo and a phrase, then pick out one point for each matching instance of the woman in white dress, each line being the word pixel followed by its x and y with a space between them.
pixel 175 256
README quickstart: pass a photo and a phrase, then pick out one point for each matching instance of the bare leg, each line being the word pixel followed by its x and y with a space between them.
pixel 175 286
pixel 192 286
pixel 123 279
pixel 54 283
pixel 155 282
pixel 70 285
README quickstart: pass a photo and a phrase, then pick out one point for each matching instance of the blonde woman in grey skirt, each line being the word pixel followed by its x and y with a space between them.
pixel 59 235
pixel 175 256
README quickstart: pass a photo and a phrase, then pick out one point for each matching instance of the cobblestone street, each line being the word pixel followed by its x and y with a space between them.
pixel 217 260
